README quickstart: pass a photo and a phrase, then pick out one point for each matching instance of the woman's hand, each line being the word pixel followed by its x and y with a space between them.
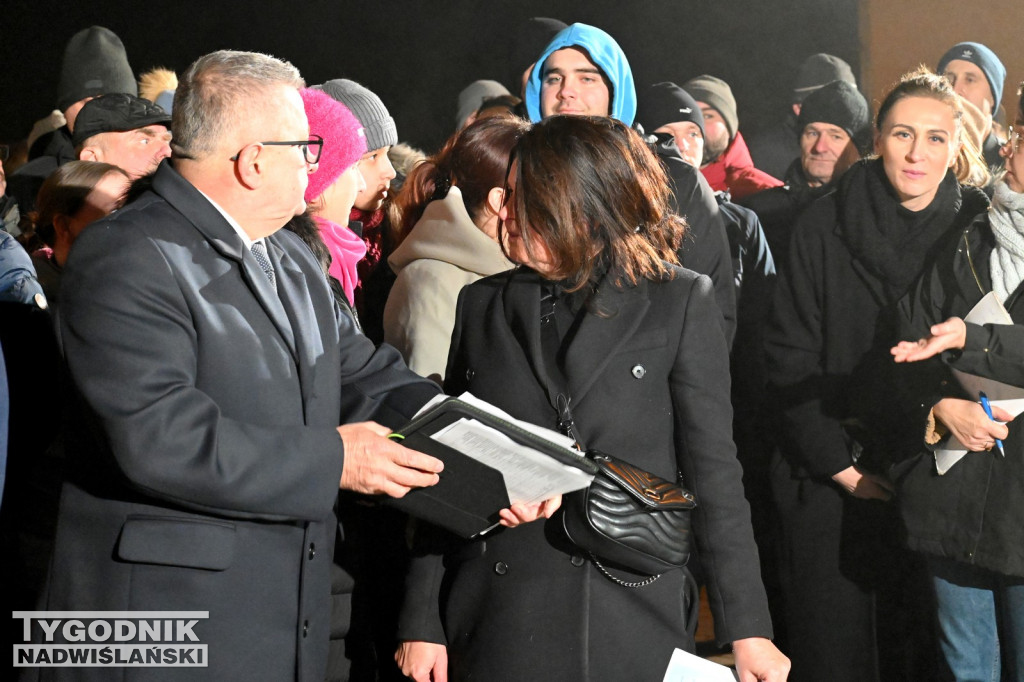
pixel 968 423
pixel 863 485
pixel 423 661
pixel 758 659
pixel 945 336
pixel 525 513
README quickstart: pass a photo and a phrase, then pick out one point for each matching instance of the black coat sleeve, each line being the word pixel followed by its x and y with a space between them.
pixel 706 246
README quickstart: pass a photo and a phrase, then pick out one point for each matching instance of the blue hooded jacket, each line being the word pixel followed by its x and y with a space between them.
pixel 605 53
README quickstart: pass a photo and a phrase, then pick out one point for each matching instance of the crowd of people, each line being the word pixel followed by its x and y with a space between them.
pixel 211 323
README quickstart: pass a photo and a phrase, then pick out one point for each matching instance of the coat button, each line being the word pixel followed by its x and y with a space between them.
pixel 501 568
pixel 638 371
pixel 469 374
pixel 312 550
pixel 305 628
pixel 577 560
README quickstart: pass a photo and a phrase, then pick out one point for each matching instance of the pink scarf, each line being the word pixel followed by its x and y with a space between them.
pixel 347 249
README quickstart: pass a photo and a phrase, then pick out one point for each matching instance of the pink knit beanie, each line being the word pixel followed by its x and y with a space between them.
pixel 344 139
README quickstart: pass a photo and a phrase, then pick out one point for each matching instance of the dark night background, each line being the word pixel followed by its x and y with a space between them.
pixel 418 55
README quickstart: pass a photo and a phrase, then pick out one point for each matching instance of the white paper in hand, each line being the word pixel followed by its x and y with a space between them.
pixel 685 667
pixel 989 310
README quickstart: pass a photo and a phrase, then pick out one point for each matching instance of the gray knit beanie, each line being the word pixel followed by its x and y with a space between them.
pixel 473 95
pixel 95 63
pixel 367 107
pixel 717 94
pixel 819 70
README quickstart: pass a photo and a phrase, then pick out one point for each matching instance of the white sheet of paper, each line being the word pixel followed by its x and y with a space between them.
pixel 989 310
pixel 530 476
pixel 685 667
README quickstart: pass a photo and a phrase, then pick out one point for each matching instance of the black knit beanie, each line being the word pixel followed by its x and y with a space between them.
pixel 95 63
pixel 530 40
pixel 839 104
pixel 664 103
pixel 368 108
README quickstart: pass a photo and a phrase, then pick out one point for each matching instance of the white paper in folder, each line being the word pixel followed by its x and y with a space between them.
pixel 989 310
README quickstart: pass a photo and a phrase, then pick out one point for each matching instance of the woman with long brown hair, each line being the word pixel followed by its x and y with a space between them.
pixel 598 328
pixel 449 238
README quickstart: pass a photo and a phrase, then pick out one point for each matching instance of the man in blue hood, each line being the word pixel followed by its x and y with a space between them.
pixel 583 72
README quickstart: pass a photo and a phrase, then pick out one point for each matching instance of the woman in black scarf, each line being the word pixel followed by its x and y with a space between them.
pixel 854 252
pixel 967 521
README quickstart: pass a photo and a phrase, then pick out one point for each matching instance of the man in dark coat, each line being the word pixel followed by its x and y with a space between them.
pixel 833 129
pixel 706 246
pixel 774 149
pixel 213 369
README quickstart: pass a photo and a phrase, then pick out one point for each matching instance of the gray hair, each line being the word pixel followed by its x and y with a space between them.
pixel 210 94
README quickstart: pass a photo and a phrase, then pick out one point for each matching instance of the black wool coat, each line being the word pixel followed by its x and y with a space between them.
pixel 971 513
pixel 203 457
pixel 649 383
pixel 827 308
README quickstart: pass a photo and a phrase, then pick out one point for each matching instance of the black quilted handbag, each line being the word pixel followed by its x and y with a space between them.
pixel 631 518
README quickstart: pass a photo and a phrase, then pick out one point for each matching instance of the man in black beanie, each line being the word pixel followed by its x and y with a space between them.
pixel 775 148
pixel 95 63
pixel 834 130
pixel 665 108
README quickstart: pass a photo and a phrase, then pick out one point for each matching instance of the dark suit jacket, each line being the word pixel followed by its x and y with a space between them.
pixel 649 383
pixel 206 462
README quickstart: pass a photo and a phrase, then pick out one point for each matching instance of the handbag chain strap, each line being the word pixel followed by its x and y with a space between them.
pixel 619 581
pixel 566 423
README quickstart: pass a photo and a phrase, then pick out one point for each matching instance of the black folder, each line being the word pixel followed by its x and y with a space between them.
pixel 469 495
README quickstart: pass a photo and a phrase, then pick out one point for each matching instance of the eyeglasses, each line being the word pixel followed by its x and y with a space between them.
pixel 1012 137
pixel 311 148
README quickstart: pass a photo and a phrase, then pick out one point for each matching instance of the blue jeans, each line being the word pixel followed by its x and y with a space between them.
pixel 981 622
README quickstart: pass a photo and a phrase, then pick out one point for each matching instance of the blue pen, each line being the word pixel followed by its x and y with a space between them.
pixel 988 410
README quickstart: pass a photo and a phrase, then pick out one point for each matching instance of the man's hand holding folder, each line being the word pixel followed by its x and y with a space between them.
pixel 498 470
pixel 375 464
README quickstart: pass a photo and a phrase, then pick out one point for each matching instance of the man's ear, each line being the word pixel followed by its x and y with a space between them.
pixel 249 166
pixel 90 153
pixel 495 199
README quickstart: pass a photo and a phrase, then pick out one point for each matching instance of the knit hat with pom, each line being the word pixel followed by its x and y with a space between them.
pixel 344 139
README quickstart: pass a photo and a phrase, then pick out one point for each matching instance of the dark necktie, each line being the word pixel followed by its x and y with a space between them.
pixel 259 252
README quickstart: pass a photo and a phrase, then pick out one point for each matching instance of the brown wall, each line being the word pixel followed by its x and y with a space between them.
pixel 898 35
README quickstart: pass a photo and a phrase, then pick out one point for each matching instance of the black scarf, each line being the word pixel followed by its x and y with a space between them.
pixel 891 242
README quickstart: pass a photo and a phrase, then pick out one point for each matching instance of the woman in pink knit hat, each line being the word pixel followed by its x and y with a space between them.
pixel 333 187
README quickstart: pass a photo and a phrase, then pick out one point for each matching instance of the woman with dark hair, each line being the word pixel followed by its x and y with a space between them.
pixel 853 252
pixel 967 521
pixel 600 319
pixel 73 196
pixel 449 238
